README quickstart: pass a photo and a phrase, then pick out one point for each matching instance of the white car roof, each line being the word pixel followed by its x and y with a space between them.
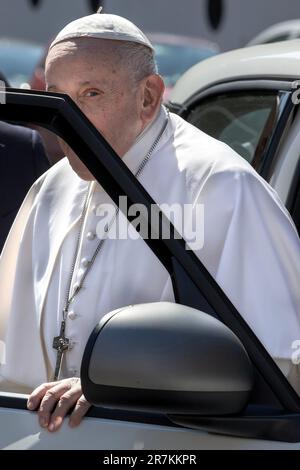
pixel 279 60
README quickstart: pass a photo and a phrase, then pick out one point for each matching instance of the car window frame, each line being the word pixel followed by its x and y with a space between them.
pixel 293 198
pixel 193 285
pixel 283 89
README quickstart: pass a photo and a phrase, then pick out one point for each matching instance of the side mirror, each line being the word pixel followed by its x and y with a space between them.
pixel 167 358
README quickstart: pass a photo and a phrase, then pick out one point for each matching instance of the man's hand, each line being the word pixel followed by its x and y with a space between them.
pixel 53 400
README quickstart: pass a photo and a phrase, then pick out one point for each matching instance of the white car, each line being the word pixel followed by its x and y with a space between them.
pixel 224 391
pixel 249 99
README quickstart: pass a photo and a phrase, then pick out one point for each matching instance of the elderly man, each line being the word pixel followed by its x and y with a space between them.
pixel 62 279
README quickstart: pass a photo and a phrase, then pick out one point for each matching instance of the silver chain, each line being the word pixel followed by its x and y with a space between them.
pixel 138 172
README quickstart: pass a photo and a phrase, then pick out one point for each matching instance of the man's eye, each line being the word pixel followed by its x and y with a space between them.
pixel 92 93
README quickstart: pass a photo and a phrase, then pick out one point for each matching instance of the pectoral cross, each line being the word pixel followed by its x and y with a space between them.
pixel 61 344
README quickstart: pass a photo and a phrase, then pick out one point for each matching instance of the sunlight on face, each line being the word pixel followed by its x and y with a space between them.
pixel 87 71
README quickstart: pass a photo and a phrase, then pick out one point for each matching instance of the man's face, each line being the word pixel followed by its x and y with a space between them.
pixel 86 70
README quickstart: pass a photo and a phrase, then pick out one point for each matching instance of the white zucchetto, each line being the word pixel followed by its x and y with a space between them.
pixel 103 26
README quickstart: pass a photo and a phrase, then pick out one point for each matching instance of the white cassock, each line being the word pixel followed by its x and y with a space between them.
pixel 250 247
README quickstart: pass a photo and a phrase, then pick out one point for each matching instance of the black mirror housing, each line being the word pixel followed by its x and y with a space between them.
pixel 167 358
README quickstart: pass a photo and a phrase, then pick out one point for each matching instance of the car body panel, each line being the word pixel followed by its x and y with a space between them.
pixel 263 61
pixel 22 431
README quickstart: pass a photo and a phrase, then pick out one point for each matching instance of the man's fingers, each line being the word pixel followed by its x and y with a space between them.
pixel 53 400
pixel 50 399
pixel 67 401
pixel 38 393
pixel 80 410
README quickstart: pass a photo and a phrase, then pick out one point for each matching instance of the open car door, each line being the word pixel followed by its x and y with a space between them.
pixel 271 418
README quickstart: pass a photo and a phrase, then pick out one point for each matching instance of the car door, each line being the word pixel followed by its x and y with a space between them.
pixel 272 418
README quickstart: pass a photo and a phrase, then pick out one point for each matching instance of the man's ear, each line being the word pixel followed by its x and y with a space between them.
pixel 152 94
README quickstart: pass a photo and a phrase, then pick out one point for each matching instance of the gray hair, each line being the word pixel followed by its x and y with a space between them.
pixel 138 59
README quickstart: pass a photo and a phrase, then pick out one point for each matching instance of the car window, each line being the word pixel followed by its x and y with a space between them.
pixel 244 121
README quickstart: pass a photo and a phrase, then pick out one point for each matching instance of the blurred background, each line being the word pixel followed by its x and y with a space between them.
pixel 183 32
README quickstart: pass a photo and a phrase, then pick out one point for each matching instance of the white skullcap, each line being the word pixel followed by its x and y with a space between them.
pixel 103 26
